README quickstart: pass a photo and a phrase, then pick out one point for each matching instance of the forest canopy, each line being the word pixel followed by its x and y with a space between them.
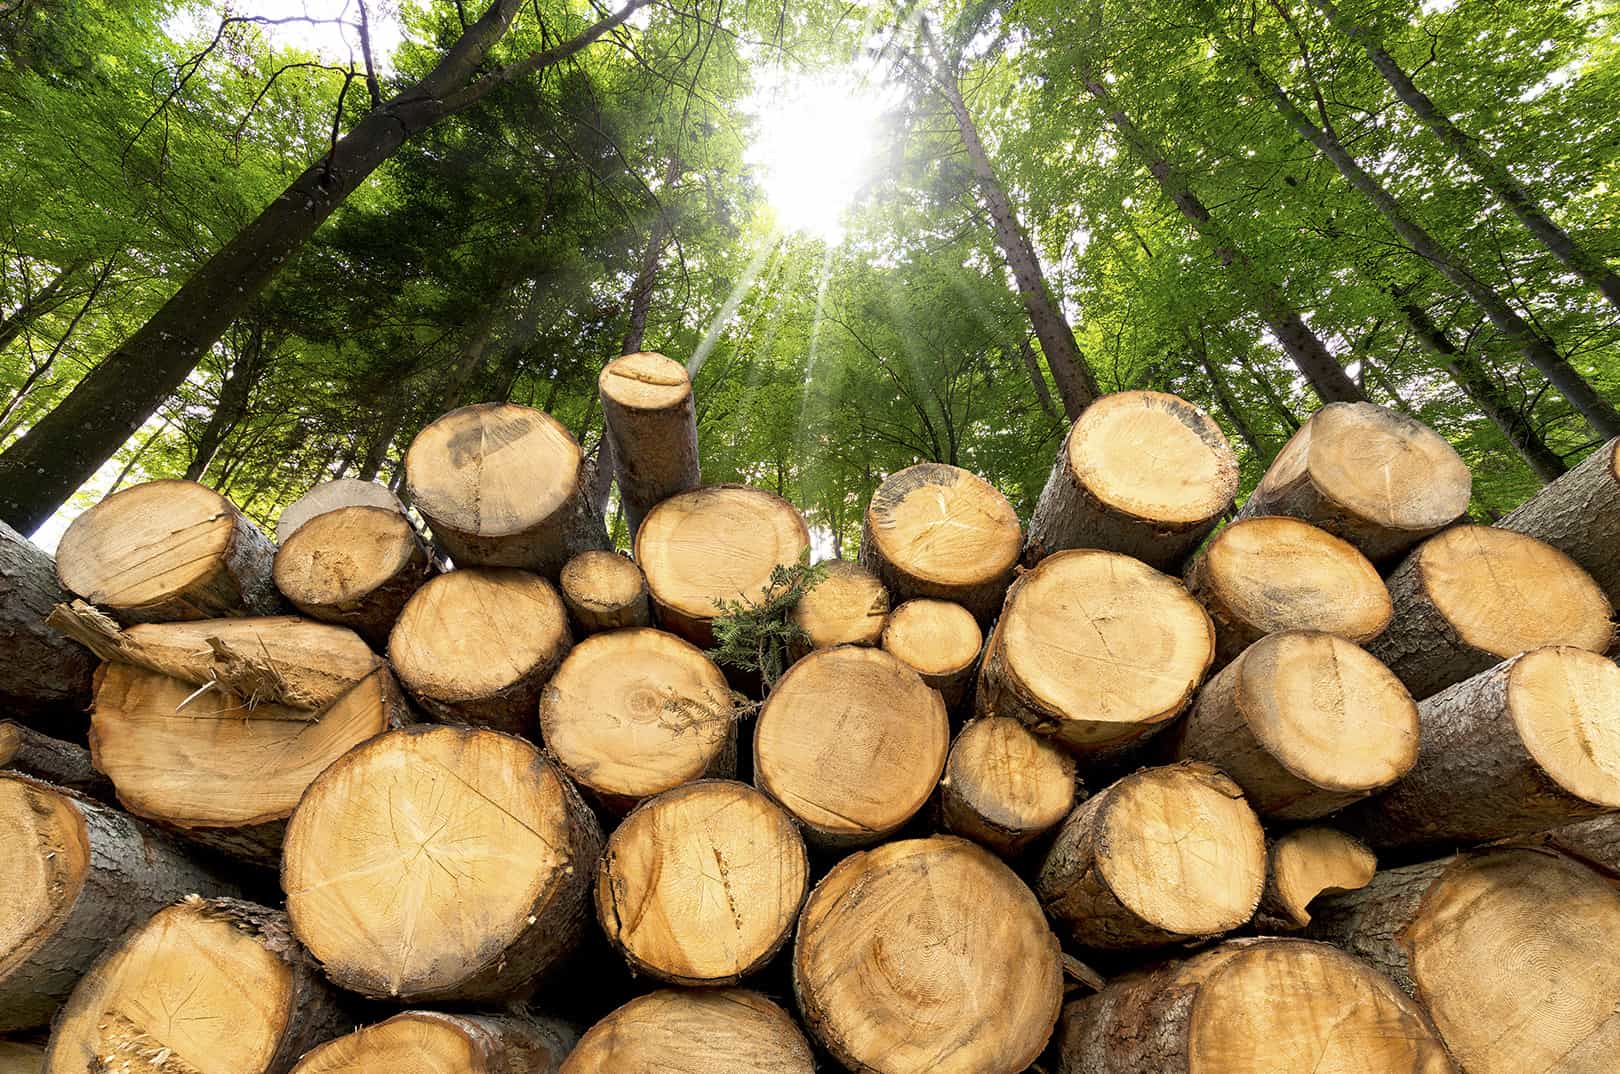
pixel 262 244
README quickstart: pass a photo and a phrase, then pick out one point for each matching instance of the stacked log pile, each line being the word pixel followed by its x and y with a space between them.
pixel 1330 784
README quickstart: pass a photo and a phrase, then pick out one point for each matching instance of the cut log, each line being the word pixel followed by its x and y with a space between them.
pixel 1579 514
pixel 1306 723
pixel 356 566
pixel 1473 596
pixel 847 607
pixel 682 1031
pixel 927 955
pixel 604 591
pixel 1378 479
pixel 1005 786
pixel 477 877
pixel 19 1058
pixel 852 743
pixel 1265 575
pixel 1530 744
pixel 647 411
pixel 329 496
pixel 1259 1006
pixel 477 646
pixel 1096 649
pixel 632 713
pixel 203 985
pixel 701 885
pixel 1142 473
pixel 940 641
pixel 1510 951
pixel 1163 856
pixel 500 484
pixel 1305 864
pixel 432 1041
pixel 77 876
pixel 1595 841
pixel 44 678
pixel 715 544
pixel 66 764
pixel 933 530
pixel 168 550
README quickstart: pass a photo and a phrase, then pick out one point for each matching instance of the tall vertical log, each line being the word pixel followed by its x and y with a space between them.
pixel 652 429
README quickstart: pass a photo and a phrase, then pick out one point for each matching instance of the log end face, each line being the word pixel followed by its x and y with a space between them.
pixel 44 856
pixel 334 496
pixel 1309 862
pixel 1565 703
pixel 936 637
pixel 645 380
pixel 340 557
pixel 719 1029
pixel 1153 457
pixel 848 607
pixel 1006 785
pixel 943 528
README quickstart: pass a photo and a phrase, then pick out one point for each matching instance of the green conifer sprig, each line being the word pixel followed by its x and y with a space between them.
pixel 758 633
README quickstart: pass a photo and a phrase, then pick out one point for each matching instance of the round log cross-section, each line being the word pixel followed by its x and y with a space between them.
pixel 940 640
pixel 847 607
pixel 604 591
pixel 1305 864
pixel 1005 786
pixel 432 1042
pixel 356 566
pixel 334 496
pixel 694 1031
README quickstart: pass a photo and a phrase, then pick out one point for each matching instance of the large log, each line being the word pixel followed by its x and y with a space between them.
pixel 604 591
pixel 1473 596
pixel 168 550
pixel 940 640
pixel 355 566
pixel 1378 479
pixel 927 955
pixel 477 646
pixel 1265 575
pixel 715 544
pixel 1510 951
pixel 1257 1006
pixel 647 411
pixel 1304 865
pixel 1166 855
pixel 1005 786
pixel 1579 514
pixel 44 678
pixel 852 743
pixel 500 484
pixel 433 1041
pixel 933 530
pixel 1306 723
pixel 1096 649
pixel 77 876
pixel 66 764
pixel 203 985
pixel 1530 744
pixel 632 713
pixel 702 884
pixel 847 607
pixel 1142 473
pixel 688 1031
pixel 330 496
pixel 473 876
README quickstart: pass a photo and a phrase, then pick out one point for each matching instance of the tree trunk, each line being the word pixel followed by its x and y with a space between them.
pixel 716 1029
pixel 64 764
pixel 849 606
pixel 432 1040
pixel 1579 515
pixel 1222 390
pixel 1306 864
pixel 355 566
pixel 1005 786
pixel 940 641
pixel 604 591
pixel 44 677
pixel 377 454
pixel 649 431
pixel 1037 379
pixel 63 449
pixel 234 391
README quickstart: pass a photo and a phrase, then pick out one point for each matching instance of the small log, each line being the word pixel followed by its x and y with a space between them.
pixel 77 876
pixel 933 530
pixel 1266 575
pixel 713 545
pixel 1259 1006
pixel 66 764
pixel 847 607
pixel 1579 514
pixel 168 550
pixel 1530 744
pixel 1142 473
pixel 1166 855
pixel 44 678
pixel 355 566
pixel 1473 596
pixel 1378 479
pixel 852 743
pixel 500 484
pixel 927 955
pixel 719 1030
pixel 604 591
pixel 647 411
pixel 328 496
pixel 469 829
pixel 702 884
pixel 1005 786
pixel 633 713
pixel 940 641
pixel 1305 864
pixel 1096 649
pixel 203 985
pixel 1306 723
pixel 435 1041
pixel 477 646
pixel 1508 950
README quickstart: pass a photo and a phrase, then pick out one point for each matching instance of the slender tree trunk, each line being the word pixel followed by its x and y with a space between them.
pixel 129 467
pixel 1037 379
pixel 60 452
pixel 234 391
pixel 1223 395
pixel 43 369
pixel 377 453
pixel 1279 406
pixel 1478 159
pixel 1540 352
pixel 38 305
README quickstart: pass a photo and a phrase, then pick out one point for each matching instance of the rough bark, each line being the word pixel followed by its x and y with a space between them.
pixel 1595 841
pixel 44 678
pixel 1579 515
pixel 64 764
